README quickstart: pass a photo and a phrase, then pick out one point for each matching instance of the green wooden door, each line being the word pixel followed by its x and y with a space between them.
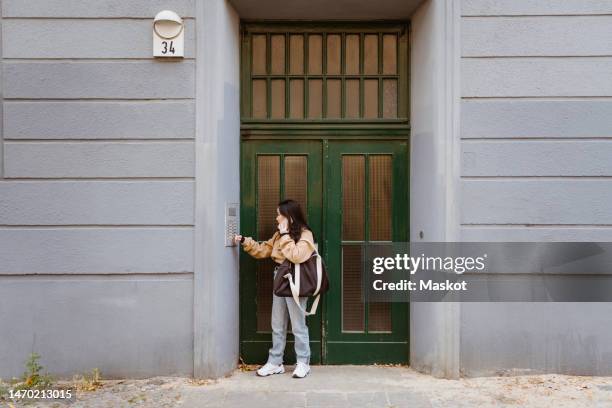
pixel 271 172
pixel 360 188
pixel 366 195
pixel 324 120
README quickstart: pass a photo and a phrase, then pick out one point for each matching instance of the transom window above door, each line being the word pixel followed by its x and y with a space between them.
pixel 324 73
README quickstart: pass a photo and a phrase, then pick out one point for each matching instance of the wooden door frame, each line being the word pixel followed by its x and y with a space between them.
pixel 326 130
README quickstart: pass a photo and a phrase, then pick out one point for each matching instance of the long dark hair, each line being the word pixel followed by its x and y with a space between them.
pixel 291 210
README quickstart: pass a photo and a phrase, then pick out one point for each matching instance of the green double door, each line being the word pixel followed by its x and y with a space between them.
pixel 353 192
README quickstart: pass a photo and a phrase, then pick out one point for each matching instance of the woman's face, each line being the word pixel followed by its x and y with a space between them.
pixel 279 217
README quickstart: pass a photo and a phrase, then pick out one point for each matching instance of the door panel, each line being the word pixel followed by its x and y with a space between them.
pixel 366 195
pixel 272 171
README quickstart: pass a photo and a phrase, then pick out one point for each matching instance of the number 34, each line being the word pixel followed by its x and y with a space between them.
pixel 168 47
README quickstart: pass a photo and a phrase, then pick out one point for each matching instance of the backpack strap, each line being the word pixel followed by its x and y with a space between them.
pixel 295 286
pixel 295 291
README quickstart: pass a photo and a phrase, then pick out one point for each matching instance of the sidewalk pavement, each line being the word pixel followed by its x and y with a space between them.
pixel 351 386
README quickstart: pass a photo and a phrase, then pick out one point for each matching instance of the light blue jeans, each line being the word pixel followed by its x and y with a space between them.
pixel 283 309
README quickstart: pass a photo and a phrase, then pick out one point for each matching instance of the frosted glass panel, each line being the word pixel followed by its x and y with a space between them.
pixel 260 100
pixel 278 54
pixel 259 55
pixel 296 54
pixel 315 54
pixel 352 98
pixel 389 54
pixel 370 98
pixel 315 98
pixel 352 306
pixel 370 54
pixel 389 98
pixel 297 99
pixel 333 98
pixel 296 179
pixel 380 200
pixel 278 99
pixel 333 54
pixel 325 75
pixel 352 54
pixel 353 198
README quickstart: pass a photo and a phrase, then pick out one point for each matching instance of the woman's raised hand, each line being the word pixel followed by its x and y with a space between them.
pixel 283 227
pixel 237 238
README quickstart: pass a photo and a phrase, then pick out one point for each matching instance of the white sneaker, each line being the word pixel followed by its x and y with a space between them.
pixel 269 369
pixel 301 370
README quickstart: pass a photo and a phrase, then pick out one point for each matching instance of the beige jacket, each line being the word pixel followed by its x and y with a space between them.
pixel 280 247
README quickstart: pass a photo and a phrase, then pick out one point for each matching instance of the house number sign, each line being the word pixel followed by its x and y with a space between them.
pixel 168 35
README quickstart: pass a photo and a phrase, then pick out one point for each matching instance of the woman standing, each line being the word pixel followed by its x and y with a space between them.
pixel 293 241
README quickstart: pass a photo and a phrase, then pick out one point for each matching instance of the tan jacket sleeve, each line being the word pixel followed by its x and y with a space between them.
pixel 297 252
pixel 259 250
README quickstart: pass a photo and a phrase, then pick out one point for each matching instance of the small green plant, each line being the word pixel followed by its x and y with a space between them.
pixel 4 390
pixel 88 382
pixel 33 377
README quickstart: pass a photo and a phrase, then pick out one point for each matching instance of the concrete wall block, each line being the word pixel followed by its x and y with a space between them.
pixel 536 234
pixel 62 38
pixel 536 118
pixel 99 120
pixel 94 79
pixel 503 77
pixel 534 7
pixel 106 8
pixel 537 158
pixel 95 250
pixel 99 159
pixel 536 36
pixel 96 203
pixel 118 326
pixel 536 201
pixel 565 338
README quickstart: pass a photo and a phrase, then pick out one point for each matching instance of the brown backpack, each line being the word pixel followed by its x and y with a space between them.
pixel 306 279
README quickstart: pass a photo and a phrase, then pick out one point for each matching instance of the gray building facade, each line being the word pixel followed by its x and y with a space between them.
pixel 116 168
